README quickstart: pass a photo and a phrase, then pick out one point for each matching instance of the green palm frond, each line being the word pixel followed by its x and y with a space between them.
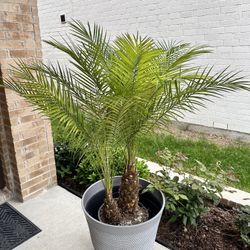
pixel 48 95
pixel 112 92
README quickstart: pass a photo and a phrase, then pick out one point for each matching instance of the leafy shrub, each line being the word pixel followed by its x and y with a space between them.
pixel 142 169
pixel 87 173
pixel 187 197
pixel 83 168
pixel 66 161
pixel 64 171
pixel 243 222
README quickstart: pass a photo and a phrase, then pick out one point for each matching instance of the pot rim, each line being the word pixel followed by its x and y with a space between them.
pixel 119 226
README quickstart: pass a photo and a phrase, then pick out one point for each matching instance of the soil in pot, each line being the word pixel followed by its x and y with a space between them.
pixel 146 199
pixel 128 219
pixel 216 230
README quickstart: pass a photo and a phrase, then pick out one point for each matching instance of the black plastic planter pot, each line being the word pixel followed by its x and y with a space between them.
pixel 110 237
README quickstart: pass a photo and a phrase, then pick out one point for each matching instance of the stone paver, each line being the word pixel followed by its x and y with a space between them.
pixel 59 215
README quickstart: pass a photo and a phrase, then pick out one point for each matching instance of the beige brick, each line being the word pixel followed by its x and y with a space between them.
pixel 38 172
pixel 31 182
pixel 28 27
pixel 7 26
pixel 27 118
pixel 35 10
pixel 35 167
pixel 46 175
pixel 17 1
pixel 38 186
pixel 14 35
pixel 31 195
pixel 30 44
pixel 10 7
pixel 2 35
pixel 23 53
pixel 25 8
pixel 28 35
pixel 30 155
pixel 29 141
pixel 26 19
pixel 25 136
pixel 12 44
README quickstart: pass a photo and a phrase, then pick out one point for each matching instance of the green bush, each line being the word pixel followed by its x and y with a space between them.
pixel 87 173
pixel 243 222
pixel 186 196
pixel 66 161
pixel 83 168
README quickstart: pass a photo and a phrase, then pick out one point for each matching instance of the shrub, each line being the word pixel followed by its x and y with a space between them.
pixel 87 173
pixel 83 168
pixel 243 223
pixel 66 161
pixel 187 197
pixel 143 169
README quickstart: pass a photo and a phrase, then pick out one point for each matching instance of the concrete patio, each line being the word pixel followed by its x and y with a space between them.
pixel 58 214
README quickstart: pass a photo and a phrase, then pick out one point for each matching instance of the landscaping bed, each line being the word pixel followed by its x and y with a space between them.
pixel 71 185
pixel 215 230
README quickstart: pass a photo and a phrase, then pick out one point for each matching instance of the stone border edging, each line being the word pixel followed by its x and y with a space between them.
pixel 230 196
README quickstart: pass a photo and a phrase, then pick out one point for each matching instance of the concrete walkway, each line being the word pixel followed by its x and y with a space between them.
pixel 59 215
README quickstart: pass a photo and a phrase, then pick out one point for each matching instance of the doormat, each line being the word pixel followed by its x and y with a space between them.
pixel 14 227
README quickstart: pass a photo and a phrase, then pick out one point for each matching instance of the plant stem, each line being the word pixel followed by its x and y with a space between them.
pixel 111 211
pixel 128 200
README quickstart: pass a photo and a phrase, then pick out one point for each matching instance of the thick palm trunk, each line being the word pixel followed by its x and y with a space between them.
pixel 111 212
pixel 129 191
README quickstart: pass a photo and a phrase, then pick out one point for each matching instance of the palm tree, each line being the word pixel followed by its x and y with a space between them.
pixel 112 92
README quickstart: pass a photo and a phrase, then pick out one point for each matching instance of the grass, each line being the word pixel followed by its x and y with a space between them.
pixel 236 156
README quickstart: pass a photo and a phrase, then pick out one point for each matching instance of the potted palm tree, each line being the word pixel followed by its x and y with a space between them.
pixel 108 95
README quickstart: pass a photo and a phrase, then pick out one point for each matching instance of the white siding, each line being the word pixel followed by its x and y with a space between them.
pixel 222 24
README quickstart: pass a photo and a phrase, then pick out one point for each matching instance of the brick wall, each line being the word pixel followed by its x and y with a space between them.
pixel 25 137
pixel 224 25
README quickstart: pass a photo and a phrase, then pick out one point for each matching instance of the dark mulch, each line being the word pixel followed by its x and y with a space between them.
pixel 71 185
pixel 216 231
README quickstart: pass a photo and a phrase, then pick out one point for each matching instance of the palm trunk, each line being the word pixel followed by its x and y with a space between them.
pixel 129 191
pixel 111 212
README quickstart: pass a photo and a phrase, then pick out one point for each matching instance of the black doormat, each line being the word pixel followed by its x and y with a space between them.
pixel 14 227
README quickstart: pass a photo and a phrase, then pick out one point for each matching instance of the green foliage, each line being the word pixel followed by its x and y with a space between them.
pixel 243 222
pixel 142 169
pixel 187 197
pixel 63 171
pixel 112 92
pixel 64 157
pixel 234 158
pixel 86 174
pixel 83 168
pixel 65 161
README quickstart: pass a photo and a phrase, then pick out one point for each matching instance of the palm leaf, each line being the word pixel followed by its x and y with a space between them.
pixel 112 92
